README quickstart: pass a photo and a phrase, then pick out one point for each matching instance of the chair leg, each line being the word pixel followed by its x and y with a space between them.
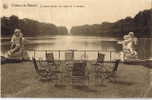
pixel 96 79
pixel 88 81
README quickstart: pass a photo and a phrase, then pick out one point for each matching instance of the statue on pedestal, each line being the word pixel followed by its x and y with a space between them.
pixel 16 48
pixel 128 47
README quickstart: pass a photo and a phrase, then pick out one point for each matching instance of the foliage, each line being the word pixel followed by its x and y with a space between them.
pixel 141 24
pixel 29 27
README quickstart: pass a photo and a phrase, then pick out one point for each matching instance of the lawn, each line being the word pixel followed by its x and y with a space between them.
pixel 21 80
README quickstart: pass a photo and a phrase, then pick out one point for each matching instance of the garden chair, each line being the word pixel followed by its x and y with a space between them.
pixel 69 59
pixel 44 73
pixel 79 73
pixel 111 73
pixel 100 59
pixel 106 73
pixel 99 65
pixel 50 61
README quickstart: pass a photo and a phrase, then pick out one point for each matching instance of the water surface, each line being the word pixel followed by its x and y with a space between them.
pixel 105 45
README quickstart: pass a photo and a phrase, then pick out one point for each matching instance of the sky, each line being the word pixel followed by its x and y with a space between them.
pixel 82 11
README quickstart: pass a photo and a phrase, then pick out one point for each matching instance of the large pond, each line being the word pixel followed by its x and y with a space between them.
pixel 108 46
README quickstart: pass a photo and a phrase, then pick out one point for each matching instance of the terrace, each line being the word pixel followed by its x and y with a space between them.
pixel 21 80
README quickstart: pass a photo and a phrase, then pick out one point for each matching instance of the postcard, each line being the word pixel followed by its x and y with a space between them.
pixel 76 48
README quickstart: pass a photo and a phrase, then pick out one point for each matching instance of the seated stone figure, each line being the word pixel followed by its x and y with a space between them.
pixel 16 49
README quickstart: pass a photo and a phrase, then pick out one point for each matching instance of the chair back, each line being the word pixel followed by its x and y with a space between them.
pixel 50 57
pixel 78 69
pixel 35 65
pixel 69 55
pixel 116 64
pixel 100 58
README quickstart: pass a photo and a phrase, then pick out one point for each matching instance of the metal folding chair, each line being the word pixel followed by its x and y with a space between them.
pixel 99 68
pixel 79 73
pixel 111 73
pixel 100 58
pixel 69 59
pixel 50 61
pixel 100 62
pixel 46 73
pixel 107 71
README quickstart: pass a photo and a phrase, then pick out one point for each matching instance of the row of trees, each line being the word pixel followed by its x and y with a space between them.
pixel 29 27
pixel 141 24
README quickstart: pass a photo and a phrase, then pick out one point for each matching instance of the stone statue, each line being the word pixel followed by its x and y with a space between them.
pixel 128 46
pixel 16 48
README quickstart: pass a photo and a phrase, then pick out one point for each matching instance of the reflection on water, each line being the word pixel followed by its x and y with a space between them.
pixel 70 42
pixel 73 42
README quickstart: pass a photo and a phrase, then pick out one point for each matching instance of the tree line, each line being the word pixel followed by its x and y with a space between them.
pixel 29 27
pixel 141 24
